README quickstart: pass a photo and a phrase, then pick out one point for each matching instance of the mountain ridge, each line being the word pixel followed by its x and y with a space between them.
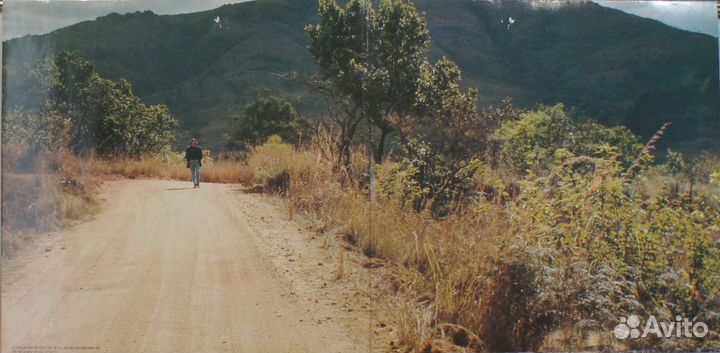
pixel 609 65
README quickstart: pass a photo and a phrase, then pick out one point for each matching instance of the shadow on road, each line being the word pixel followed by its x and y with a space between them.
pixel 248 190
pixel 174 189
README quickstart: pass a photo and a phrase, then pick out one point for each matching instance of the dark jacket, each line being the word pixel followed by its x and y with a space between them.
pixel 194 153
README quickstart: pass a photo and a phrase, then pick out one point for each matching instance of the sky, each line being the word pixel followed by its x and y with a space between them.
pixel 696 16
pixel 42 16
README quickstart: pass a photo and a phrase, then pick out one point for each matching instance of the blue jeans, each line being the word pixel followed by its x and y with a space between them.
pixel 195 169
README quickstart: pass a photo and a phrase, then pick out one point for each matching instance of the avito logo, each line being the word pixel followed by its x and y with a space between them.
pixel 681 327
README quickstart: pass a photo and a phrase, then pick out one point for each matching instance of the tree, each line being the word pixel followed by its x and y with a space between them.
pixel 369 66
pixel 377 67
pixel 396 65
pixel 68 96
pixel 446 114
pixel 128 128
pixel 104 115
pixel 443 140
pixel 262 118
pixel 337 45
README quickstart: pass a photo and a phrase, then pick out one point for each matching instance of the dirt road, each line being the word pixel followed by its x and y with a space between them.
pixel 164 267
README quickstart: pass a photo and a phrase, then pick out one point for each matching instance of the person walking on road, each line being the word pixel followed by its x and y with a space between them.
pixel 194 155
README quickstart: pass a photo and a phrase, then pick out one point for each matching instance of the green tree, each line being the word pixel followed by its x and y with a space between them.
pixel 446 115
pixel 542 138
pixel 104 115
pixel 369 66
pixel 373 63
pixel 443 140
pixel 396 66
pixel 337 43
pixel 70 80
pixel 264 117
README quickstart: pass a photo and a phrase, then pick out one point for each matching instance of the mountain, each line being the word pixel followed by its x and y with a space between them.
pixel 608 65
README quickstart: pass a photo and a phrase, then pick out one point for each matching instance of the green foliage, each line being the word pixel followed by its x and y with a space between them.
pixel 426 179
pixel 106 116
pixel 446 114
pixel 27 135
pixel 441 142
pixel 381 67
pixel 337 43
pixel 42 132
pixel 440 93
pixel 436 172
pixel 376 63
pixel 400 43
pixel 532 142
pixel 266 116
pixel 660 254
pixel 675 163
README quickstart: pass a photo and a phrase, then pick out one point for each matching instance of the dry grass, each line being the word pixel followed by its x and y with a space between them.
pixel 35 203
pixel 471 281
pixel 440 259
pixel 228 172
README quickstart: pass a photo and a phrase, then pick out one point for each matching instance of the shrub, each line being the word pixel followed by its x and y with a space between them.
pixel 529 144
pixel 424 178
pixel 271 164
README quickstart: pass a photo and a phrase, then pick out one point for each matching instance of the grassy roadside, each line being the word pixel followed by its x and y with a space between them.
pixel 528 263
pixel 34 204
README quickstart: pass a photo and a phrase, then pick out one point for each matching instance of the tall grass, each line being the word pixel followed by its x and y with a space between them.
pixel 224 171
pixel 526 264
pixel 36 198
pixel 439 259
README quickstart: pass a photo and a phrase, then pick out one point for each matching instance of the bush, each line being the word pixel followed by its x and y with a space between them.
pixel 271 164
pixel 424 179
pixel 529 144
pixel 658 249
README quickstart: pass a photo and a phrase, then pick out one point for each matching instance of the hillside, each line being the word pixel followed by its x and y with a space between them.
pixel 609 65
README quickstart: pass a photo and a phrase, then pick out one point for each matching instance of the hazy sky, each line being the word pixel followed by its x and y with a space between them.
pixel 696 16
pixel 42 16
